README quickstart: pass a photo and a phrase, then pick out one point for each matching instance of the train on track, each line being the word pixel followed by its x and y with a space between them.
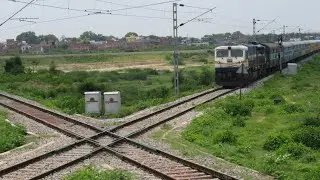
pixel 239 65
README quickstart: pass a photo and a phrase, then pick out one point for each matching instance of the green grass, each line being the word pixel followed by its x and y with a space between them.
pixel 60 59
pixel 10 136
pixel 140 88
pixel 279 140
pixel 91 173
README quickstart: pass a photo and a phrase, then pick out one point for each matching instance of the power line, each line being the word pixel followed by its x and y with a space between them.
pixel 142 6
pixel 125 5
pixel 267 25
pixel 195 7
pixel 47 21
pixel 182 24
pixel 51 6
pixel 17 12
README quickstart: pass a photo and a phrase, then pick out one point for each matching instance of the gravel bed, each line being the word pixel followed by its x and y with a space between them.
pixel 103 161
pixel 46 140
pixel 204 159
pixel 149 110
pixel 164 115
pixel 91 121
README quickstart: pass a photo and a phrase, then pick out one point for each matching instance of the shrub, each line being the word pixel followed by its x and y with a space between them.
pixel 10 136
pixel 278 96
pixel 206 76
pixel 239 121
pixel 293 108
pixel 88 86
pixel 226 137
pixel 309 136
pixel 91 173
pixel 52 67
pixel 296 150
pixel 14 65
pixel 312 122
pixel 160 92
pixel 274 142
pixel 235 107
pixel 204 60
pixel 308 158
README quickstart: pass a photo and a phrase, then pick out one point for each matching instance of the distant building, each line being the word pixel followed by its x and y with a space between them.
pixel 131 39
pixel 24 47
pixel 200 44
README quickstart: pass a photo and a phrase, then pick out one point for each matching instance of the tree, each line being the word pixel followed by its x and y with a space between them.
pixel 89 35
pixel 48 38
pixel 131 34
pixel 30 37
pixel 14 65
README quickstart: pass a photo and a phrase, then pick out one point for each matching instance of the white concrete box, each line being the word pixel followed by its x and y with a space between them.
pixel 112 102
pixel 292 68
pixel 93 102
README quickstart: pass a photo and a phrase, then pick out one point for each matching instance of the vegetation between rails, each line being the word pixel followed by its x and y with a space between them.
pixel 91 173
pixel 140 88
pixel 280 140
pixel 10 136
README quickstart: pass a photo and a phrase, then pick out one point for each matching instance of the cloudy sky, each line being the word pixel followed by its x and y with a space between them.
pixel 229 16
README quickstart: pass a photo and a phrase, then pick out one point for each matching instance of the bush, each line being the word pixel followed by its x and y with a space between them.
pixel 88 86
pixel 239 121
pixel 206 76
pixel 52 67
pixel 91 173
pixel 293 108
pixel 309 136
pixel 296 150
pixel 160 92
pixel 10 136
pixel 226 137
pixel 274 142
pixel 315 122
pixel 14 65
pixel 235 107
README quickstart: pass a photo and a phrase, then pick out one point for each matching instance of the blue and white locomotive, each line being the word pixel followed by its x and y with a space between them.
pixel 258 60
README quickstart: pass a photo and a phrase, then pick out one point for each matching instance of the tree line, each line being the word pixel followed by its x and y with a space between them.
pixel 235 37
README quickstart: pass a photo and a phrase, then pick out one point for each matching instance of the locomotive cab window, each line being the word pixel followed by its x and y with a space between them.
pixel 222 53
pixel 236 53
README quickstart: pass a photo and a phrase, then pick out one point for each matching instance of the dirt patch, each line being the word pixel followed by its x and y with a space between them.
pixel 115 66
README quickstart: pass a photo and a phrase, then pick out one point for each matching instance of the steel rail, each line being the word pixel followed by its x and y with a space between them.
pixel 119 139
pixel 163 109
pixel 53 113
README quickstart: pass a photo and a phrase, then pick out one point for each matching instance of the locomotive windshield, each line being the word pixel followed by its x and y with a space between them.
pixel 222 53
pixel 236 53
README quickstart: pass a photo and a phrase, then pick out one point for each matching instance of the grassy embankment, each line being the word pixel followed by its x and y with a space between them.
pixel 69 62
pixel 279 140
pixel 91 173
pixel 140 88
pixel 10 136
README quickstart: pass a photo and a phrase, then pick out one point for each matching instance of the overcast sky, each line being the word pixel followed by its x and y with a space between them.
pixel 229 16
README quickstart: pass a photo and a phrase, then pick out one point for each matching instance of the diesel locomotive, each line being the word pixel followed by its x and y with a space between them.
pixel 241 64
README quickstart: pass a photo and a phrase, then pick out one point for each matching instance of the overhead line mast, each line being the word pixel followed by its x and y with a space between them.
pixel 17 12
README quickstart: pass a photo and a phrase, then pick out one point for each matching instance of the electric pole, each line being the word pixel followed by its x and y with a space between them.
pixel 284 32
pixel 281 52
pixel 176 53
pixel 254 29
pixel 300 34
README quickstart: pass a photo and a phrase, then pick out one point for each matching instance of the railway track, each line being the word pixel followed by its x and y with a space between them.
pixel 155 161
pixel 49 118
